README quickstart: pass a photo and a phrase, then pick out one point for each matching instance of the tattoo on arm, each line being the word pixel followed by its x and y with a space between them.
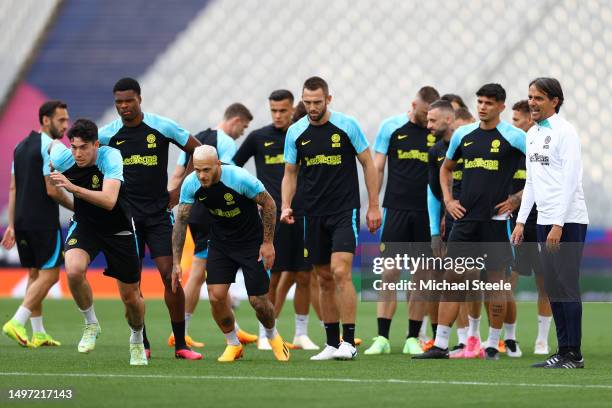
pixel 269 214
pixel 179 230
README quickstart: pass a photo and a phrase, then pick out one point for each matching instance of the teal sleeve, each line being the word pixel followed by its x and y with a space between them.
pixel 515 136
pixel 294 131
pixel 106 133
pixel 182 159
pixel 44 152
pixel 349 125
pixel 169 128
pixel 241 180
pixel 61 157
pixel 433 208
pixel 110 163
pixel 386 129
pixel 189 188
pixel 226 149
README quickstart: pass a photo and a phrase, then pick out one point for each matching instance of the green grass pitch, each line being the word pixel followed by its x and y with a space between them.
pixel 104 377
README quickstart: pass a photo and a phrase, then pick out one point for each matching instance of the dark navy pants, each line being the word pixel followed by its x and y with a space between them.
pixel 562 282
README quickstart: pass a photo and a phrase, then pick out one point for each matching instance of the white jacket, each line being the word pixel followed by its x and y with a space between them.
pixel 554 174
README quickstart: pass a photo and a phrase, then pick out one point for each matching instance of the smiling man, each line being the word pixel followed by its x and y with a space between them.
pixel 554 184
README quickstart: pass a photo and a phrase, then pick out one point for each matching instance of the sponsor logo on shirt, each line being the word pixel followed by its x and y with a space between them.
pixel 142 160
pixel 95 182
pixel 323 159
pixel 226 214
pixel 278 159
pixel 412 155
pixel 539 158
pixel 492 165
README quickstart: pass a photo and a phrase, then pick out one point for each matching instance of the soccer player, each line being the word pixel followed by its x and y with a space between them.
pixel 237 240
pixel 101 223
pixel 491 149
pixel 236 119
pixel 455 100
pixel 33 222
pixel 324 143
pixel 267 145
pixel 405 140
pixel 554 184
pixel 143 139
pixel 527 257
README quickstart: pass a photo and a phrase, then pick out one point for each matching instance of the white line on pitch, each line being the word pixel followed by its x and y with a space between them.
pixel 311 379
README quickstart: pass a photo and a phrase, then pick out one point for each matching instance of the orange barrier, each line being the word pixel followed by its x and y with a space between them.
pixel 12 280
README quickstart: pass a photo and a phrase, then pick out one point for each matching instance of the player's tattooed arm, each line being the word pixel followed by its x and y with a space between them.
pixel 264 199
pixel 179 230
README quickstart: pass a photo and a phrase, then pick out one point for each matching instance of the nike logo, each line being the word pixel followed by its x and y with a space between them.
pixel 440 158
pixel 466 144
pixel 400 137
pixel 120 142
pixel 266 144
pixel 201 198
pixel 306 142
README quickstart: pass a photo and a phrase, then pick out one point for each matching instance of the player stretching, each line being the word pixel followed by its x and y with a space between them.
pixel 101 223
pixel 267 145
pixel 235 120
pixel 237 240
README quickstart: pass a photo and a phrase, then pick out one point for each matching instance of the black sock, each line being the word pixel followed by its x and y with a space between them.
pixel 414 326
pixel 178 328
pixel 576 354
pixel 434 329
pixel 332 331
pixel 145 340
pixel 384 325
pixel 348 333
pixel 563 350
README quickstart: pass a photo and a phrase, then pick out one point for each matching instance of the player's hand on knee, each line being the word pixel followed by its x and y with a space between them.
pixel 267 253
pixel 177 277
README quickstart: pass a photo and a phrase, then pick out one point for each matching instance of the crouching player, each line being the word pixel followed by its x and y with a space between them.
pixel 237 240
pixel 101 223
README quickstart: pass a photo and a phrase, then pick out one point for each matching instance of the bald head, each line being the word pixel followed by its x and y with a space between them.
pixel 206 165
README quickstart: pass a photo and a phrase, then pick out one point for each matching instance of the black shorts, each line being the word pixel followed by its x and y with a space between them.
pixel 289 247
pixel 325 234
pixel 156 232
pixel 120 251
pixel 200 234
pixel 40 249
pixel 487 239
pixel 223 264
pixel 526 255
pixel 407 230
